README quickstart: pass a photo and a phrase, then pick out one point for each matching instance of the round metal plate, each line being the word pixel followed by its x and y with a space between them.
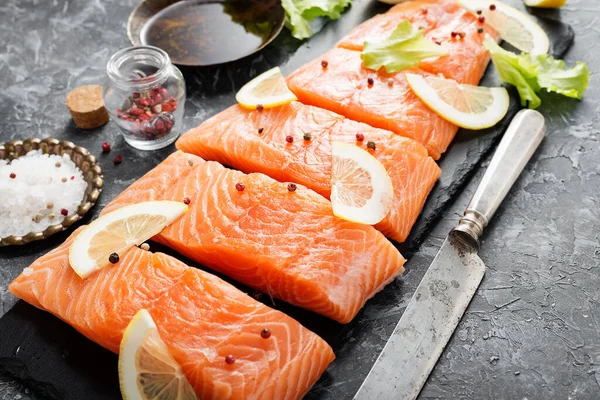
pixel 206 32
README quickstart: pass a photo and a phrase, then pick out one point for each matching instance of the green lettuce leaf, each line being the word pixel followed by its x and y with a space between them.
pixel 300 12
pixel 553 77
pixel 530 74
pixel 294 20
pixel 404 48
pixel 332 9
pixel 515 70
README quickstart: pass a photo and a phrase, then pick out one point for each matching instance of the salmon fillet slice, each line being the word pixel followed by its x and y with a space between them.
pixel 343 88
pixel 254 141
pixel 423 14
pixel 468 58
pixel 201 319
pixel 286 244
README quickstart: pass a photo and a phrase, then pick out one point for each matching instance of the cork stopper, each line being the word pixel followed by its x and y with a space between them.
pixel 87 107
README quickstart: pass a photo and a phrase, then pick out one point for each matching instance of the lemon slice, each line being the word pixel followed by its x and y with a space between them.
pixel 361 189
pixel 146 368
pixel 468 106
pixel 515 27
pixel 119 230
pixel 267 90
pixel 546 3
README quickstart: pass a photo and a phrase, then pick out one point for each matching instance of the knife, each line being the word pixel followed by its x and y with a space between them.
pixel 453 277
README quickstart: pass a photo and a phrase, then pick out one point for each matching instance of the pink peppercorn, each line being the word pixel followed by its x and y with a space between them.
pixel 289 139
pixel 230 359
pixel 144 102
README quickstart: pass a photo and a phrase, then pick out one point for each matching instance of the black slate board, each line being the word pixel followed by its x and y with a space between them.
pixel 52 360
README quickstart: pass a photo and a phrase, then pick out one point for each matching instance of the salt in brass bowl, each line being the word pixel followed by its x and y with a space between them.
pixel 92 173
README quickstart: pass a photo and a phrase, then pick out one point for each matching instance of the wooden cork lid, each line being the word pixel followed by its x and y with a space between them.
pixel 87 106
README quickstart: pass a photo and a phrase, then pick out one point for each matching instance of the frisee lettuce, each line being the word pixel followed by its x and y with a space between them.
pixel 404 48
pixel 299 13
pixel 530 74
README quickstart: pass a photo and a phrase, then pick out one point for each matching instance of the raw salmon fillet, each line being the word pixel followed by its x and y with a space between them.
pixel 467 60
pixel 254 141
pixel 343 88
pixel 286 244
pixel 423 14
pixel 201 319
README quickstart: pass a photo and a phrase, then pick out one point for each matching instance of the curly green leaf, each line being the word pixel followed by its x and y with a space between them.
pixel 404 48
pixel 529 74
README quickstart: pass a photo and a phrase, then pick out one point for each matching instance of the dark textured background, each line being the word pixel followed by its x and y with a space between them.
pixel 532 329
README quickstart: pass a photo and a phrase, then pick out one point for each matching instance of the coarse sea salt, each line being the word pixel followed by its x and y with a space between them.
pixel 34 189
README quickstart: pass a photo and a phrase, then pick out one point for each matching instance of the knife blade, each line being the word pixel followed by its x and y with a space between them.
pixel 453 277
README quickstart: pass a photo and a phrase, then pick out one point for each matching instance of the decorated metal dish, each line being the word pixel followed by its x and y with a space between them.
pixel 83 160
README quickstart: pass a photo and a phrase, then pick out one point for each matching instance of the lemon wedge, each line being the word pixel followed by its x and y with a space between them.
pixel 146 368
pixel 546 3
pixel 119 230
pixel 515 27
pixel 468 106
pixel 361 189
pixel 267 90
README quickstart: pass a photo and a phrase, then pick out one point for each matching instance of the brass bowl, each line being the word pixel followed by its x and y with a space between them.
pixel 92 173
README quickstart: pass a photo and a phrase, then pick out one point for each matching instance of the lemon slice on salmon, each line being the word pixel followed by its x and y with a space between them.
pixel 546 3
pixel 267 90
pixel 105 240
pixel 515 27
pixel 468 106
pixel 361 189
pixel 146 368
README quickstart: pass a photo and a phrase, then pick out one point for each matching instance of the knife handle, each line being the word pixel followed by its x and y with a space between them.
pixel 520 141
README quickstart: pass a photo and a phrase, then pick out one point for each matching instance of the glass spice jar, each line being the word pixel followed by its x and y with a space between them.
pixel 145 95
